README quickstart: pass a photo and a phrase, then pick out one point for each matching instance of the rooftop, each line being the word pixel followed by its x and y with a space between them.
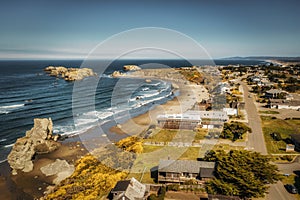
pixel 179 117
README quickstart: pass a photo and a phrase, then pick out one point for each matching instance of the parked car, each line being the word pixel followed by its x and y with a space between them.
pixel 291 188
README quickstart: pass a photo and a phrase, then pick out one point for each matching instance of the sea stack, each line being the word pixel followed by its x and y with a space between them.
pixel 69 74
pixel 38 140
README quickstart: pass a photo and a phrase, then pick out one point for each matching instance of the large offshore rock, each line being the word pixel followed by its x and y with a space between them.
pixel 69 74
pixel 38 140
pixel 131 67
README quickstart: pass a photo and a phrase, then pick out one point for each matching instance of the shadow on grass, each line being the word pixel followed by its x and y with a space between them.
pixel 154 173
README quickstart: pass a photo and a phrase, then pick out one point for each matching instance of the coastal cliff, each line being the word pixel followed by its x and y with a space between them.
pixel 69 74
pixel 38 140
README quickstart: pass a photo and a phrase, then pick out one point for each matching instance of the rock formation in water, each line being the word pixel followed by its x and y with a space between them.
pixel 131 67
pixel 117 74
pixel 69 74
pixel 38 140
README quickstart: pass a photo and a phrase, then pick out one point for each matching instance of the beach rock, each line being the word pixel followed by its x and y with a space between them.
pixel 131 68
pixel 117 74
pixel 69 74
pixel 148 81
pixel 60 168
pixel 38 140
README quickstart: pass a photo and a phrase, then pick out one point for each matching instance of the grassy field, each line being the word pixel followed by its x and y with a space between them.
pixel 192 153
pixel 284 127
pixel 168 135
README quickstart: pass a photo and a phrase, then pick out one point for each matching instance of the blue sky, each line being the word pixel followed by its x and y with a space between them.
pixel 71 29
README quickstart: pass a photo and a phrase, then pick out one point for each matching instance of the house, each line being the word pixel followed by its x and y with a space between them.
pixel 210 115
pixel 128 190
pixel 284 104
pixel 179 121
pixel 179 171
pixel 296 140
pixel 231 111
pixel 273 93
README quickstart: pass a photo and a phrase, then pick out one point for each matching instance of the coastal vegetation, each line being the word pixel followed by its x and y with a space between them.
pixel 90 180
pixel 131 144
pixel 241 173
pixel 234 130
pixel 192 75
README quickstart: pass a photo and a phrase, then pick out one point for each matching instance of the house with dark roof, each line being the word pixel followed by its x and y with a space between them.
pixel 274 93
pixel 128 190
pixel 179 171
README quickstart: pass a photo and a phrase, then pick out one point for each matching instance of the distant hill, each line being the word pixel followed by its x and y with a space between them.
pixel 280 58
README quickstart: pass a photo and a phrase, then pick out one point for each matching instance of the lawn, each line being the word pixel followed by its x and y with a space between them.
pixel 163 135
pixel 192 153
pixel 150 148
pixel 169 135
pixel 146 178
pixel 284 127
pixel 227 147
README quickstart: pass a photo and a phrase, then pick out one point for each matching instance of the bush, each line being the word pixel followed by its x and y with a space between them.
pixel 173 187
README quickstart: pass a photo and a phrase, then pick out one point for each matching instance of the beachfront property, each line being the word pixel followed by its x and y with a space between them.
pixel 193 119
pixel 179 171
pixel 179 121
pixel 129 190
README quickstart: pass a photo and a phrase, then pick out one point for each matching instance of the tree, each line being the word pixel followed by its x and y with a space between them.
pixel 234 130
pixel 241 173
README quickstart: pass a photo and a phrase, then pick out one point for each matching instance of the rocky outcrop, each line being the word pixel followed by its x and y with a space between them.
pixel 69 74
pixel 38 140
pixel 131 68
pixel 61 168
pixel 117 74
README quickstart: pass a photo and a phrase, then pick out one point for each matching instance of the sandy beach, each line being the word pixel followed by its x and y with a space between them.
pixel 189 94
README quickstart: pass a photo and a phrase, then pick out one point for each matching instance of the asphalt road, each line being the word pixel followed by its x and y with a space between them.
pixel 256 142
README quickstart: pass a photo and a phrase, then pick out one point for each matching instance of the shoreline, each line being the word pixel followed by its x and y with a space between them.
pixel 33 184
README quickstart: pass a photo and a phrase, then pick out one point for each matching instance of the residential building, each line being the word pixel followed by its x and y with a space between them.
pixel 273 93
pixel 179 121
pixel 284 104
pixel 128 190
pixel 179 171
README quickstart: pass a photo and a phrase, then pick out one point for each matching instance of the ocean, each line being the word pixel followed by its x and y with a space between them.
pixel 27 92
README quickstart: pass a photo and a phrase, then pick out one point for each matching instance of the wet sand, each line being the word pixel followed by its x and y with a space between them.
pixel 33 184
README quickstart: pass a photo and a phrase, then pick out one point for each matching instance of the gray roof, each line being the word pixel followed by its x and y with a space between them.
pixel 274 91
pixel 179 117
pixel 207 173
pixel 179 166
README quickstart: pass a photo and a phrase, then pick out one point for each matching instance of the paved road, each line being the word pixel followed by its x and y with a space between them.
pixel 256 142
